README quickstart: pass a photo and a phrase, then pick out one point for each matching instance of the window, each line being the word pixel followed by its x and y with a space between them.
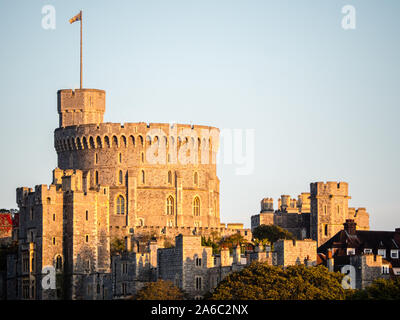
pixel 25 264
pixel 96 158
pixel 196 206
pixel 169 177
pixel 87 238
pixel 124 268
pixel 25 289
pixel 58 263
pixel 54 240
pixel 394 254
pixel 142 157
pixel 97 177
pixel 198 283
pixel 326 230
pixel 382 252
pixel 385 269
pixel 198 262
pixel 195 178
pixel 124 288
pixel 120 205
pixel 120 177
pixel 143 177
pixel 367 250
pixel 54 217
pixel 170 205
pixel 87 215
pixel 325 209
pixel 31 214
pixel 120 157
pixel 338 209
pixel 351 251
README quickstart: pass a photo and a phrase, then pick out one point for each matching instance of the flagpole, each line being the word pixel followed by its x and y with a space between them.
pixel 81 48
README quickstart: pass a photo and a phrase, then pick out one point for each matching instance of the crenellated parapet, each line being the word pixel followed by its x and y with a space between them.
pixel 137 135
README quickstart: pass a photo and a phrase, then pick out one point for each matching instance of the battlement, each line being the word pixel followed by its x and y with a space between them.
pixel 80 106
pixel 115 135
pixel 330 187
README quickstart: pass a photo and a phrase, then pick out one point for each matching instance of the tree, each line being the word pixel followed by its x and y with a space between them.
pixel 271 233
pixel 160 290
pixel 380 289
pixel 117 246
pixel 210 243
pixel 260 281
pixel 233 241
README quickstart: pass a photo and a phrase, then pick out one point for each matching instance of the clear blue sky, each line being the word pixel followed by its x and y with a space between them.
pixel 324 102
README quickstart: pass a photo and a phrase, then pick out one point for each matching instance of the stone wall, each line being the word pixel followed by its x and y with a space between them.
pixel 292 252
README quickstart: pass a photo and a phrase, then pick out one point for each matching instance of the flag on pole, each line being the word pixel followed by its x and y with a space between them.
pixel 78 17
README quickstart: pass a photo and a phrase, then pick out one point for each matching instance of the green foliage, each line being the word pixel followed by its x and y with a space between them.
pixel 168 244
pixel 260 281
pixel 117 246
pixel 160 290
pixel 210 243
pixel 271 233
pixel 233 241
pixel 380 289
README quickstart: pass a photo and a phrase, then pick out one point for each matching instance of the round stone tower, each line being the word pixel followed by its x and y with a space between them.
pixel 159 175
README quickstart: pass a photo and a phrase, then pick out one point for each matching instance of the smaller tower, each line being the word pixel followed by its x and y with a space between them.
pixel 267 204
pixel 81 106
pixel 329 209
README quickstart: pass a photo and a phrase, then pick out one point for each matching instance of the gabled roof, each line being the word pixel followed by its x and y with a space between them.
pixel 362 240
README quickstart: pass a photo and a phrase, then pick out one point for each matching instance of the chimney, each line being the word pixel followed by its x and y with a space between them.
pixel 330 263
pixel 350 226
pixel 237 254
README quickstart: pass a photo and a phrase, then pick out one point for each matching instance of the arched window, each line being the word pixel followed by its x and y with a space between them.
pixel 58 263
pixel 170 205
pixel 169 177
pixel 120 177
pixel 99 144
pixel 195 178
pixel 120 205
pixel 196 206
pixel 143 177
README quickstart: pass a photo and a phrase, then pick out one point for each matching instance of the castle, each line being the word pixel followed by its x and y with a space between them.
pixel 113 181
pixel 318 215
pixel 147 185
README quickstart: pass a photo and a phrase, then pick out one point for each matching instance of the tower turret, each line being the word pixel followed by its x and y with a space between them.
pixel 81 106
